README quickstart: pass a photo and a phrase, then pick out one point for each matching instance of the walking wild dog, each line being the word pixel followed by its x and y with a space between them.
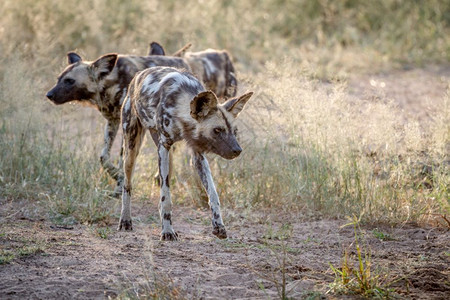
pixel 212 67
pixel 173 105
pixel 103 83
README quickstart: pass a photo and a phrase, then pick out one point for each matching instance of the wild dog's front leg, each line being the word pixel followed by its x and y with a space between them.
pixel 110 134
pixel 155 138
pixel 202 166
pixel 165 204
pixel 119 185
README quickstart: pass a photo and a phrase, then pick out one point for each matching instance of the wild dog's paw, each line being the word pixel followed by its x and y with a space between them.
pixel 125 225
pixel 169 236
pixel 220 232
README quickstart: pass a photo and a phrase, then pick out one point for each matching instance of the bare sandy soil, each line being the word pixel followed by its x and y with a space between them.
pixel 76 262
pixel 55 261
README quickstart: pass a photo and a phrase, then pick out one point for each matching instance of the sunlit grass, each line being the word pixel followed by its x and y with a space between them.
pixel 43 159
pixel 313 147
pixel 307 146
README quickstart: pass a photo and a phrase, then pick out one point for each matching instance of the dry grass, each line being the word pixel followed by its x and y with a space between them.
pixel 308 146
pixel 313 145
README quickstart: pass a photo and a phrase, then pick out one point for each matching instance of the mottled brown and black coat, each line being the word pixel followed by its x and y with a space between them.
pixel 173 105
pixel 212 67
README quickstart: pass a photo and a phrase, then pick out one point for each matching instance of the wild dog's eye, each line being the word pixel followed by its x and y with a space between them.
pixel 218 130
pixel 69 81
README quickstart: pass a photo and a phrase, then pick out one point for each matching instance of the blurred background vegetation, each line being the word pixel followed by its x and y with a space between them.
pixel 317 160
pixel 321 33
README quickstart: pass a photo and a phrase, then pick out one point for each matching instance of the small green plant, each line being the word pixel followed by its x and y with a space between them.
pixel 357 276
pixel 29 250
pixel 283 233
pixel 313 295
pixel 103 232
pixel 6 257
pixel 382 236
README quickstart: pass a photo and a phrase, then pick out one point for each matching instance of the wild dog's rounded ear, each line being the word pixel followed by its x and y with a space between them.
pixel 204 104
pixel 235 105
pixel 104 65
pixel 156 49
pixel 72 58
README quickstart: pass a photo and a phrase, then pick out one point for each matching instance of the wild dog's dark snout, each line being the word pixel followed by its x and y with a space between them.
pixel 50 95
pixel 234 152
pixel 228 149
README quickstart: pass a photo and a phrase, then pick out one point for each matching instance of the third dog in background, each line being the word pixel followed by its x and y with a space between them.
pixel 212 67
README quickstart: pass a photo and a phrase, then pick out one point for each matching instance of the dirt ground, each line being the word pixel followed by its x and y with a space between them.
pixel 76 262
pixel 54 261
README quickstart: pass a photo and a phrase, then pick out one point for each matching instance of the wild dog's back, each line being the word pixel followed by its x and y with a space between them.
pixel 215 69
pixel 128 65
pixel 161 97
pixel 212 67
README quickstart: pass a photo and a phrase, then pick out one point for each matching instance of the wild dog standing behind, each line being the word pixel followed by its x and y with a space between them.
pixel 103 83
pixel 173 105
pixel 212 67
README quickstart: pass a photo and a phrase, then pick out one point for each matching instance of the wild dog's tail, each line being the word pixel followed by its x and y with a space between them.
pixel 181 51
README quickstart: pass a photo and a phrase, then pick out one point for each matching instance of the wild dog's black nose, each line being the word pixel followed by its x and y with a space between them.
pixel 237 151
pixel 50 95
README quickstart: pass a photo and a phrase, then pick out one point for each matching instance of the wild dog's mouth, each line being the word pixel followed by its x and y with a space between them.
pixel 231 155
pixel 227 150
pixel 55 101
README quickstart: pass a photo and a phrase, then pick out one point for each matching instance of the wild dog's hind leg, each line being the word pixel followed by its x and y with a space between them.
pixel 202 167
pixel 110 134
pixel 165 203
pixel 133 135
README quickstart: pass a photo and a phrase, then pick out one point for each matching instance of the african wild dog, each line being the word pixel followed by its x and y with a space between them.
pixel 212 67
pixel 104 83
pixel 173 105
